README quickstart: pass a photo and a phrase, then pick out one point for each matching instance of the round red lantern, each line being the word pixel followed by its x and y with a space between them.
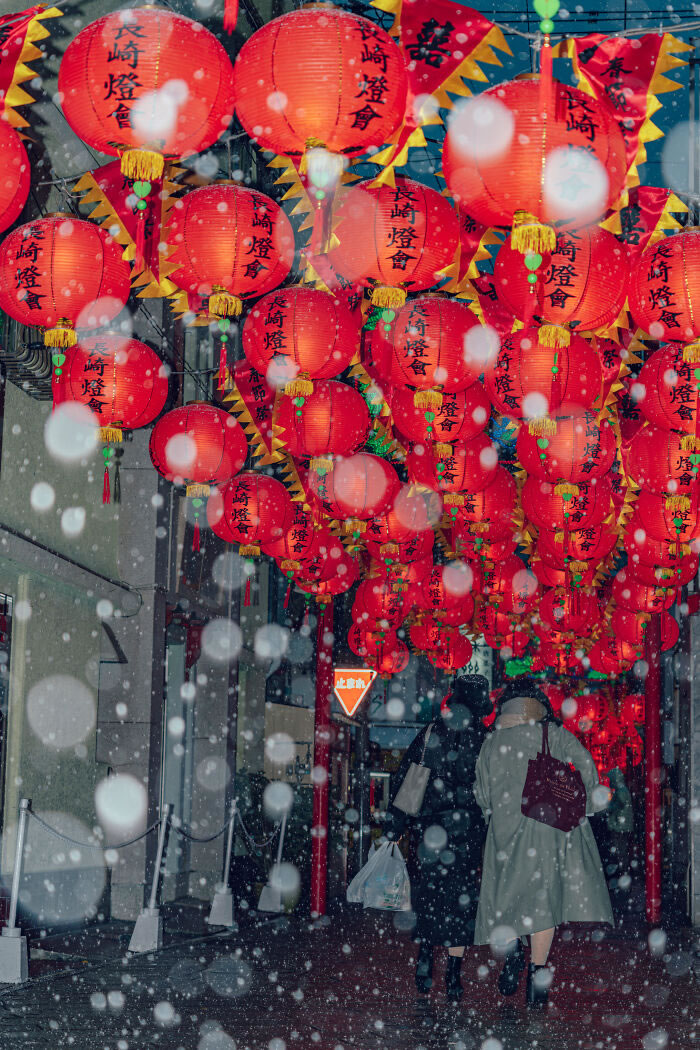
pixel 417 548
pixel 540 383
pixel 295 544
pixel 356 488
pixel 446 587
pixel 416 509
pixel 563 610
pixel 122 381
pixel 657 460
pixel 631 628
pixel 60 273
pixel 630 594
pixel 333 421
pixel 392 660
pixel 460 615
pixel 552 574
pixel 559 512
pixel 510 164
pixel 430 349
pixel 404 578
pixel 684 570
pixel 466 544
pixel 454 653
pixel 580 450
pixel 363 641
pixel 252 509
pixel 299 334
pixel 670 390
pixel 664 291
pixel 320 76
pixel 230 242
pixel 393 238
pixel 468 466
pixel 426 634
pixel 490 511
pixel 633 709
pixel 644 549
pixel 460 416
pixel 377 601
pixel 582 284
pixel 679 526
pixel 508 582
pixel 15 176
pixel 337 578
pixel 592 543
pixel 198 445
pixel 144 84
pixel 325 550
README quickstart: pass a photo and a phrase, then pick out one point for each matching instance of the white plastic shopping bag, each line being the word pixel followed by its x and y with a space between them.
pixel 383 882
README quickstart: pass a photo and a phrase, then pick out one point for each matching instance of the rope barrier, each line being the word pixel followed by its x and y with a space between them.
pixel 195 838
pixel 92 845
pixel 251 841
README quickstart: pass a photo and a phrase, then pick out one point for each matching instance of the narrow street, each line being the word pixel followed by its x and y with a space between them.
pixel 348 983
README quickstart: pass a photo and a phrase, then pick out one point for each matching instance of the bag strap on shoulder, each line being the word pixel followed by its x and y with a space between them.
pixel 425 742
pixel 545 739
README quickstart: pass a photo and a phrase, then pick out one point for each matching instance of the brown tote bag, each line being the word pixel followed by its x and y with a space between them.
pixel 554 793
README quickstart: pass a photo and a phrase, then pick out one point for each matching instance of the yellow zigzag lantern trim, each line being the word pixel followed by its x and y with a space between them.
pixel 258 444
pixel 15 95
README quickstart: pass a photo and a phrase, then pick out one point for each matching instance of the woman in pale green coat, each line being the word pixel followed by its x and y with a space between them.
pixel 535 877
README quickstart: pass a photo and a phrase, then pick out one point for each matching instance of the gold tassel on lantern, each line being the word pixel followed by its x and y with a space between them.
pixel 111 435
pixel 387 298
pixel 62 334
pixel 197 491
pixel 553 336
pixel 351 525
pixel 690 443
pixel 290 565
pixel 677 503
pixel 530 236
pixel 544 427
pixel 441 448
pixel 299 387
pixel 428 400
pixel 321 463
pixel 691 353
pixel 453 499
pixel 389 550
pixel 578 566
pixel 142 164
pixel 249 550
pixel 224 304
pixel 558 537
pixel 679 550
pixel 564 488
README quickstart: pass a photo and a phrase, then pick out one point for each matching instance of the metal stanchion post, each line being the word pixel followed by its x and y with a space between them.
pixel 271 896
pixel 147 935
pixel 221 913
pixel 14 958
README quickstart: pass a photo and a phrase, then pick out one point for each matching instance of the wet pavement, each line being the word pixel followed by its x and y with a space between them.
pixel 347 984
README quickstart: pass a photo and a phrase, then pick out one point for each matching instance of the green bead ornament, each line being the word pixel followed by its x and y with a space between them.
pixel 141 188
pixel 197 502
pixel 696 373
pixel 546 8
pixel 547 25
pixel 542 442
pixel 224 324
pixel 533 261
pixel 141 205
pixel 532 278
pixel 430 416
pixel 388 315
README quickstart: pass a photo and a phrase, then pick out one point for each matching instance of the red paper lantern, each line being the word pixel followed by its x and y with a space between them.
pixel 337 578
pixel 392 661
pixel 454 653
pixel 593 708
pixel 634 596
pixel 468 466
pixel 684 570
pixel 677 527
pixel 508 583
pixel 563 610
pixel 522 160
pixel 122 381
pixel 198 445
pixel 15 175
pixel 665 291
pixel 490 511
pixel 363 641
pixel 252 509
pixel 356 488
pixel 540 383
pixel 416 548
pixel 230 243
pixel 633 709
pixel 465 544
pixel 559 512
pixel 657 460
pixel 581 284
pixel 333 421
pixel 644 549
pixel 631 628
pixel 320 76
pixel 295 544
pixel 670 395
pixel 461 415
pixel 458 616
pixel 551 574
pixel 377 601
pixel 446 587
pixel 145 84
pixel 430 349
pixel 396 239
pixel 416 509
pixel 404 578
pixel 592 543
pixel 325 550
pixel 426 634
pixel 60 273
pixel 579 451
pixel 299 334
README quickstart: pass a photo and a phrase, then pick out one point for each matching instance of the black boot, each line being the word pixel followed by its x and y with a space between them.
pixel 539 979
pixel 453 985
pixel 424 969
pixel 514 965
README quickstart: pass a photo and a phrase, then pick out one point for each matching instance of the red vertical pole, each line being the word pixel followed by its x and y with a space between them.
pixel 652 770
pixel 321 777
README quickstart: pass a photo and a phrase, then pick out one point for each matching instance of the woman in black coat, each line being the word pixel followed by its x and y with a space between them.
pixel 451 827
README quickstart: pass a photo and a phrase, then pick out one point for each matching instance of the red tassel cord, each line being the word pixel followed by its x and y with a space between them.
pixel 230 15
pixel 140 242
pixel 224 325
pixel 246 599
pixel 196 536
pixel 306 613
pixel 106 495
pixel 287 595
